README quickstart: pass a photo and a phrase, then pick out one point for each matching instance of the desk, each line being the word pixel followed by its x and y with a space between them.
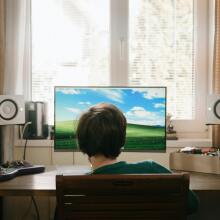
pixel 43 187
pixel 44 184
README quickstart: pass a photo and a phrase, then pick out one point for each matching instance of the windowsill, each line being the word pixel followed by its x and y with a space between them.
pixel 193 142
pixel 181 142
pixel 34 143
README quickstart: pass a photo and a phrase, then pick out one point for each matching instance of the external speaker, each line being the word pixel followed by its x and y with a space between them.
pixel 12 110
pixel 213 109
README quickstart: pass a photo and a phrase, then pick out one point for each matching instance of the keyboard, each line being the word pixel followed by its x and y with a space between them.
pixel 15 168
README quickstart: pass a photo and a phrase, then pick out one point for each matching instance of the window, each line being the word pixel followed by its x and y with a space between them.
pixel 70 46
pixel 161 50
pixel 124 42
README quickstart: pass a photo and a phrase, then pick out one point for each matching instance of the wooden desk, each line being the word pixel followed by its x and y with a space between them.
pixel 43 184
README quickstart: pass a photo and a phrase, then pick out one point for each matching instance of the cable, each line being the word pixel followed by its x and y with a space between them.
pixel 25 145
pixel 36 208
pixel 24 157
pixel 24 128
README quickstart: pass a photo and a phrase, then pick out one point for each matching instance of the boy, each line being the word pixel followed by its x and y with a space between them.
pixel 101 134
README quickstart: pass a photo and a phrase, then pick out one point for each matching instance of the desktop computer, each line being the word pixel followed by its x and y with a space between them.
pixel 143 107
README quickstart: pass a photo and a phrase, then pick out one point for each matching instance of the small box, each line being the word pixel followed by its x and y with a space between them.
pixel 195 162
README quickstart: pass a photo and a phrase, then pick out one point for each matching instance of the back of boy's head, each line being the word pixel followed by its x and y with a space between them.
pixel 102 131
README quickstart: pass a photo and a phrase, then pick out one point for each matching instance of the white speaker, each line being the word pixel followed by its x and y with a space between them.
pixel 213 109
pixel 12 109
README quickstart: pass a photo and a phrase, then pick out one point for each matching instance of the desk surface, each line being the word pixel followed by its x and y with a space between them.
pixel 43 184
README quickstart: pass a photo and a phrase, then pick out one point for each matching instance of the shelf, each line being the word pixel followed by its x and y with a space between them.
pixel 35 143
pixel 181 142
pixel 192 142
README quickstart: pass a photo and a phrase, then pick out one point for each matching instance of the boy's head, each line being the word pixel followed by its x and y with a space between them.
pixel 101 131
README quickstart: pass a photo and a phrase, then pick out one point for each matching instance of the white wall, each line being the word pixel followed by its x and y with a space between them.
pixel 47 156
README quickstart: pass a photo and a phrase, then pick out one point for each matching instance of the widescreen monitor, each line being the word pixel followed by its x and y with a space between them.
pixel 143 107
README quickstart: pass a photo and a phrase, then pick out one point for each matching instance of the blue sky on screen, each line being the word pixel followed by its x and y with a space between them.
pixel 145 106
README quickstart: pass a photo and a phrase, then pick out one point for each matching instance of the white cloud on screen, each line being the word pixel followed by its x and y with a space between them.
pixel 158 122
pixel 139 112
pixel 139 115
pixel 68 91
pixel 159 105
pixel 112 94
pixel 84 103
pixel 75 111
pixel 151 93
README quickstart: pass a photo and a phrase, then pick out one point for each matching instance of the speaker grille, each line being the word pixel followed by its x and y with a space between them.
pixel 217 109
pixel 8 109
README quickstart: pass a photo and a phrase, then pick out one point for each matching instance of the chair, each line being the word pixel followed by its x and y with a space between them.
pixel 111 197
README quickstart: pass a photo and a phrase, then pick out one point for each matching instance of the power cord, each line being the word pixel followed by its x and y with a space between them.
pixel 25 147
pixel 24 157
pixel 24 128
pixel 36 208
pixel 22 135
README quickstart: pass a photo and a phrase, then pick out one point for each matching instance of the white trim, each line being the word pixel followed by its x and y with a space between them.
pixel 119 45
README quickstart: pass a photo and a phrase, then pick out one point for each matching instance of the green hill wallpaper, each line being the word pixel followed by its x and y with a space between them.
pixel 138 137
pixel 144 109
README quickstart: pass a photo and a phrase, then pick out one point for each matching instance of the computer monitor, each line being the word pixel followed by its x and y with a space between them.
pixel 143 107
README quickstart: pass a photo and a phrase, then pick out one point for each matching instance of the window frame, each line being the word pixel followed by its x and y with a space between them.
pixel 119 61
pixel 119 65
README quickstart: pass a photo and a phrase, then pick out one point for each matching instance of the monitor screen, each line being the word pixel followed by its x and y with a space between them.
pixel 143 107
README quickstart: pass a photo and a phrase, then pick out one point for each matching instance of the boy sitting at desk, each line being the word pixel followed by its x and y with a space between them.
pixel 101 133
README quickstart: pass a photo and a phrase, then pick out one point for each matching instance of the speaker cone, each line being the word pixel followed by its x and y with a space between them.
pixel 217 109
pixel 8 109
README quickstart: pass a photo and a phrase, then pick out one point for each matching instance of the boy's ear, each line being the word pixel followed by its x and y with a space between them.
pixel 89 159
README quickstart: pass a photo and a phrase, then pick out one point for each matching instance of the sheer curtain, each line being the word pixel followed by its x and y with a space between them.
pixel 2 42
pixel 2 55
pixel 17 61
pixel 216 72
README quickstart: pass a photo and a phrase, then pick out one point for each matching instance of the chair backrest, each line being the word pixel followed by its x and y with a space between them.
pixel 108 197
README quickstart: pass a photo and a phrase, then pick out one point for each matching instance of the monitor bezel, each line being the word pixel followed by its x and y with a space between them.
pixel 109 87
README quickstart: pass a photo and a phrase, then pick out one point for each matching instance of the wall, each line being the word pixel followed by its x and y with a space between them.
pixel 47 156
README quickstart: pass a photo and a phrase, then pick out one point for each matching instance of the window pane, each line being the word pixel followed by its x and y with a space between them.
pixel 70 45
pixel 161 50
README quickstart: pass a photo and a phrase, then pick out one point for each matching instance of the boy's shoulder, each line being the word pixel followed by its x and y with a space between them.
pixel 149 166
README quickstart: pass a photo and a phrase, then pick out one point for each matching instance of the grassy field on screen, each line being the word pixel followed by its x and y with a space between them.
pixel 138 137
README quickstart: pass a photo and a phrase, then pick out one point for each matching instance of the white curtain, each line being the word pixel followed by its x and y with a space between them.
pixel 17 61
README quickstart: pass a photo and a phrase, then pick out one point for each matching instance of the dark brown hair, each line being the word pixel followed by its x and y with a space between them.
pixel 101 130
